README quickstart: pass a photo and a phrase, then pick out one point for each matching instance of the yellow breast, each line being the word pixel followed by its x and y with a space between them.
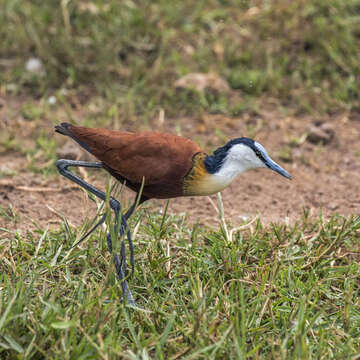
pixel 199 182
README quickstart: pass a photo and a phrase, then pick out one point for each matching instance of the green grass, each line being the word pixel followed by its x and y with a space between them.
pixel 277 292
pixel 304 53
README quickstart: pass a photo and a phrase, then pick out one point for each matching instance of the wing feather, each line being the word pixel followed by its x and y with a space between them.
pixel 159 157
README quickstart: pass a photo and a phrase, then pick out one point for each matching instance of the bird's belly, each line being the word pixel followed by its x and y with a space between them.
pixel 208 185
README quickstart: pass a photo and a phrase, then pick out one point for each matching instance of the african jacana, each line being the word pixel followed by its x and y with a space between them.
pixel 166 165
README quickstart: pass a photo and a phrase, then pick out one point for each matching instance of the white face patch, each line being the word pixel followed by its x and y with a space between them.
pixel 239 159
pixel 245 157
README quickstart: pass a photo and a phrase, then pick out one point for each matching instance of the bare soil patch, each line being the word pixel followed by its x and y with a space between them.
pixel 326 177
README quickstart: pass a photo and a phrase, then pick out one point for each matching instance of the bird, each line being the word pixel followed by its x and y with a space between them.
pixel 159 165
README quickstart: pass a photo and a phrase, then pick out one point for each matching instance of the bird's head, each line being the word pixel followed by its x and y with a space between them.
pixel 243 154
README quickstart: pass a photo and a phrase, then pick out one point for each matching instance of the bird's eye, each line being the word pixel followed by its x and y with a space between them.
pixel 258 153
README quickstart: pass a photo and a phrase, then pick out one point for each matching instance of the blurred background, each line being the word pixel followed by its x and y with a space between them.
pixel 303 53
pixel 285 72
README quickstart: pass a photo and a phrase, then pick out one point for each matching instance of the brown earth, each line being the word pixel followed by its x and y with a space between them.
pixel 321 153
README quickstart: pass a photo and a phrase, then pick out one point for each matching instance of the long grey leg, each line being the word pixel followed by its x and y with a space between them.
pixel 139 199
pixel 120 265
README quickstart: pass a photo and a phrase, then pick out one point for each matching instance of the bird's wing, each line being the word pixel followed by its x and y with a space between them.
pixel 157 157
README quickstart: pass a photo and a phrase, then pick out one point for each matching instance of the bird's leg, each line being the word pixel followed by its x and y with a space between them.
pixel 138 200
pixel 121 266
pixel 120 263
pixel 62 166
pixel 123 227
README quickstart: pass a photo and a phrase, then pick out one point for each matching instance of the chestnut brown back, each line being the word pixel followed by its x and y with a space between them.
pixel 162 159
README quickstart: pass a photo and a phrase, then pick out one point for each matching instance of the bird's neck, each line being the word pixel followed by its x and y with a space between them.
pixel 223 167
pixel 210 174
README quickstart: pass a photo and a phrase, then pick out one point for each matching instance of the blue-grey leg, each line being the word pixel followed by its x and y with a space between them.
pixel 120 265
pixel 138 200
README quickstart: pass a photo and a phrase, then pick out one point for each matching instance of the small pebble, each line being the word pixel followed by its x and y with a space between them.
pixel 322 133
pixel 35 65
pixel 202 82
pixel 52 100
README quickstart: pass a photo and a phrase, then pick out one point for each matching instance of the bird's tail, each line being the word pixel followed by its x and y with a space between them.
pixel 65 129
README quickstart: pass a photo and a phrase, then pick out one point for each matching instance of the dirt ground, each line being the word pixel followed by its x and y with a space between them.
pixel 321 153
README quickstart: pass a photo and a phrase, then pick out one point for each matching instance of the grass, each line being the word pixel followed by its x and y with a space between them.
pixel 304 53
pixel 277 292
pixel 265 292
